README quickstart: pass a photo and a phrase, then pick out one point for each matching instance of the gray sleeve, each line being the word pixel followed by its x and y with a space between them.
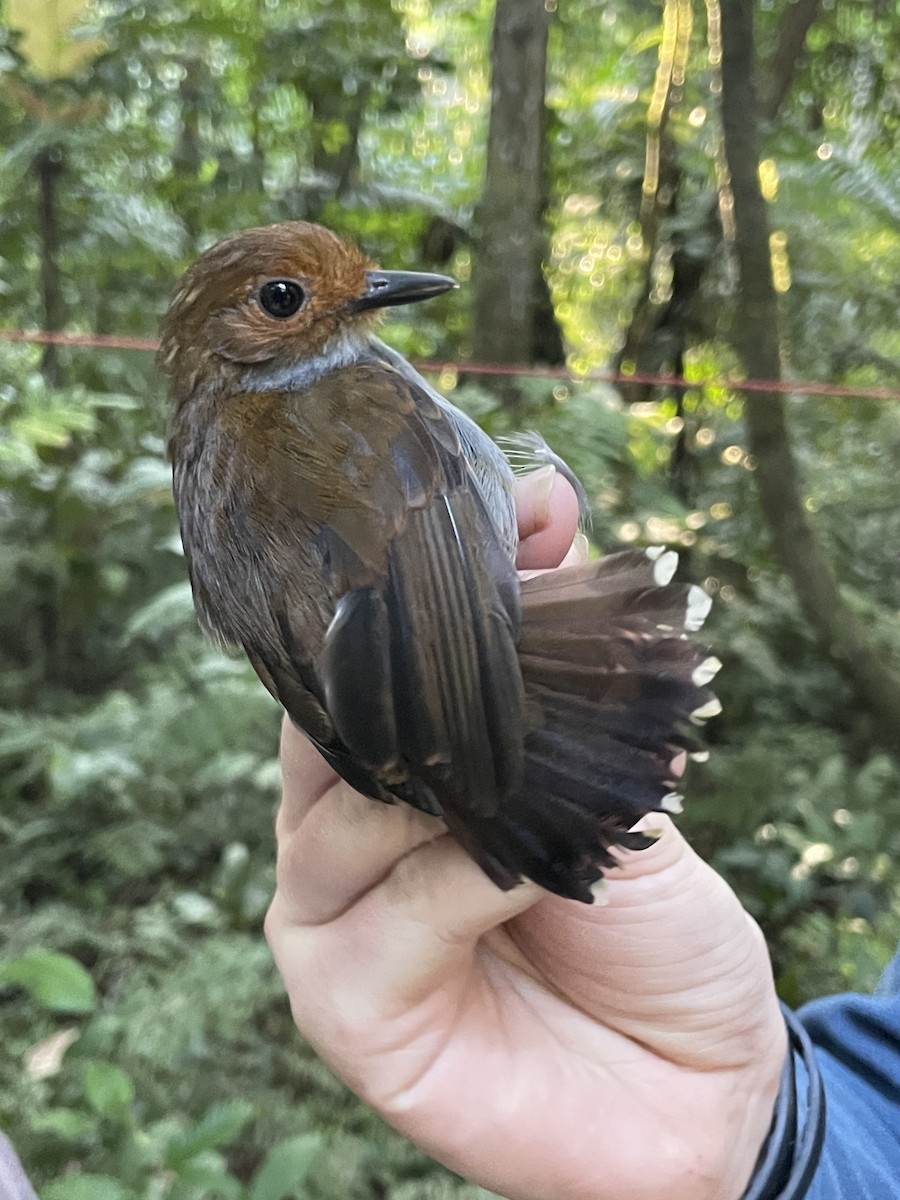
pixel 13 1184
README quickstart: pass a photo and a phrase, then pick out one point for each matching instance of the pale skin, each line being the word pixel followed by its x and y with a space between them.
pixel 542 1048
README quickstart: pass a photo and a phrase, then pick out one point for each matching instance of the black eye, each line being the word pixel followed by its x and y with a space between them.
pixel 281 298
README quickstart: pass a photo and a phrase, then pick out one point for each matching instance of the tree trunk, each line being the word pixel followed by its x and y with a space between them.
pixel 341 162
pixel 796 22
pixel 757 341
pixel 511 239
pixel 187 158
pixel 48 167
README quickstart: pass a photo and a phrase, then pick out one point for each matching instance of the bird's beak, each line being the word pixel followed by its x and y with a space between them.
pixel 386 288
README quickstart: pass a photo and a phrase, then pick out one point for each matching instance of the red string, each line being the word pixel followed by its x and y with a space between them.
pixel 107 341
pixel 797 387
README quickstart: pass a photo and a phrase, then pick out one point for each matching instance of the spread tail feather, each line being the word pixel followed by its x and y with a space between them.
pixel 614 690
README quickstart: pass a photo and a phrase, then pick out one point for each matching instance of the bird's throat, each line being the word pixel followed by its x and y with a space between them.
pixel 293 375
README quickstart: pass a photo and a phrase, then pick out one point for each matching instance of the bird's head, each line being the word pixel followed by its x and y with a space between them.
pixel 265 302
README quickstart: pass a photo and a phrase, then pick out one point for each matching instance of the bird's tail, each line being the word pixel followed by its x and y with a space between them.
pixel 616 689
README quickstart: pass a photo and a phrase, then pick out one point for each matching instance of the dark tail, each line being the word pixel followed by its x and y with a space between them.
pixel 615 690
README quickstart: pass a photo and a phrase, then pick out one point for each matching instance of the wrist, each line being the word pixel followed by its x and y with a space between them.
pixel 790 1155
pixel 740 1111
pixel 750 1118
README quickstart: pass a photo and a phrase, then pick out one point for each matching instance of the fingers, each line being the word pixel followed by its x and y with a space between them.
pixel 306 777
pixel 345 846
pixel 407 938
pixel 579 552
pixel 335 846
pixel 445 897
pixel 547 512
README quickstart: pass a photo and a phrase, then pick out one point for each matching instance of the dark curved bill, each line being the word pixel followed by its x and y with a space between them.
pixel 386 288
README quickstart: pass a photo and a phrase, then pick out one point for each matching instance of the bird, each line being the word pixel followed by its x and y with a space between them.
pixel 355 533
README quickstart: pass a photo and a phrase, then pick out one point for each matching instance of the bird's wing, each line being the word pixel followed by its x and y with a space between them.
pixel 397 601
pixel 487 461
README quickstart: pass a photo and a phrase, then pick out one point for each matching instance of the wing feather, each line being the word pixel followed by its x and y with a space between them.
pixel 394 601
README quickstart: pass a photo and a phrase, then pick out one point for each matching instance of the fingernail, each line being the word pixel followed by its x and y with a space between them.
pixel 540 485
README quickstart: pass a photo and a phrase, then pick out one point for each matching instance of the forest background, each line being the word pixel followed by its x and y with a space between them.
pixel 650 190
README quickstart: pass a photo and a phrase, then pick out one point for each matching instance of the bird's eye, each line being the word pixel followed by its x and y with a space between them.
pixel 281 298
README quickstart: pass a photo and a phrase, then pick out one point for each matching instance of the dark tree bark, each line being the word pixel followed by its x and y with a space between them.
pixel 796 23
pixel 510 305
pixel 547 344
pixel 188 155
pixel 48 167
pixel 329 109
pixel 647 343
pixel 659 332
pixel 757 340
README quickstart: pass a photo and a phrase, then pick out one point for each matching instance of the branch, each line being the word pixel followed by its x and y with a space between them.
pixel 796 22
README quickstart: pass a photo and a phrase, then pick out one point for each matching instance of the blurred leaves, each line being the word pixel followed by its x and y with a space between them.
pixel 285 1168
pixel 221 1124
pixel 86 1187
pixel 56 981
pixel 107 1089
pixel 49 43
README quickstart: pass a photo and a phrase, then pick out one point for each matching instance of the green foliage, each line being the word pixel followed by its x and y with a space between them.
pixel 148 1050
pixel 55 981
pixel 285 1168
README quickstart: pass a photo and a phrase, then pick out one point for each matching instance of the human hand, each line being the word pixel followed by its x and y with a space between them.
pixel 542 1048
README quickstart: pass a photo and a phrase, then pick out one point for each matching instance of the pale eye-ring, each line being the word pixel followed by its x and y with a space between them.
pixel 281 298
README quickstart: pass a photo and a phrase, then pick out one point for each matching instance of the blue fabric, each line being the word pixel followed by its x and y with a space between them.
pixel 857 1040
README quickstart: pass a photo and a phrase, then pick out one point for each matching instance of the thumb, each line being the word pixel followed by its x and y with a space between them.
pixel 547 514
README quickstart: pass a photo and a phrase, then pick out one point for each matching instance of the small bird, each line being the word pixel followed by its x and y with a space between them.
pixel 355 533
